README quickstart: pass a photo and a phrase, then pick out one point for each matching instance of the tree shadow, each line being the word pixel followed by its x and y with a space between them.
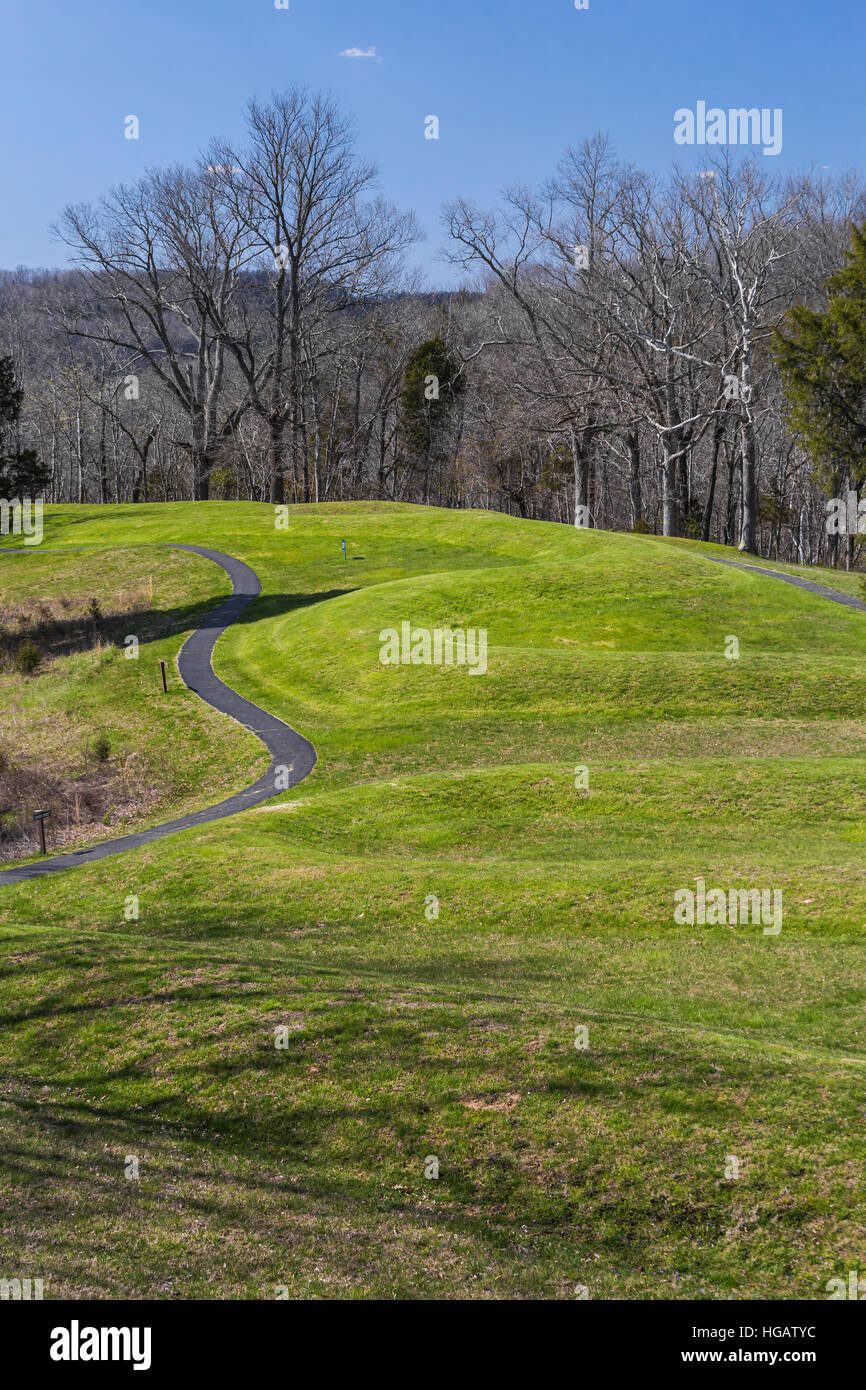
pixel 274 605
pixel 58 635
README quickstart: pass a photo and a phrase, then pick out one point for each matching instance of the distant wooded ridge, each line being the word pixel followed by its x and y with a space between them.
pixel 681 356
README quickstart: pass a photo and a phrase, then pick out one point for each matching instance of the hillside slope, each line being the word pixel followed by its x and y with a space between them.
pixel 435 912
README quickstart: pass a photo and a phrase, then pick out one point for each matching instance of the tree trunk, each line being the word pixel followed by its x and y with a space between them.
pixel 103 463
pixel 718 436
pixel 669 496
pixel 749 525
pixel 683 493
pixel 275 452
pixel 580 458
pixel 634 479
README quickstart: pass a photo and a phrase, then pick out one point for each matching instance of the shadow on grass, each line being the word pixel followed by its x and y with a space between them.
pixel 336 1127
pixel 58 636
pixel 39 633
pixel 274 605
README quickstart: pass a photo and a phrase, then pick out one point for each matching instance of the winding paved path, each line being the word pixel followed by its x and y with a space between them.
pixel 821 589
pixel 287 748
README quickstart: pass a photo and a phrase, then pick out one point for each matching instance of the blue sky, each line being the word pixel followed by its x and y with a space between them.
pixel 512 82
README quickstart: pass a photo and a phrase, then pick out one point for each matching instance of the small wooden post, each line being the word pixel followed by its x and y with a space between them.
pixel 41 817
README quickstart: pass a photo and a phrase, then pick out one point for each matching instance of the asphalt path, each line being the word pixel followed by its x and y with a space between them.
pixel 809 585
pixel 288 749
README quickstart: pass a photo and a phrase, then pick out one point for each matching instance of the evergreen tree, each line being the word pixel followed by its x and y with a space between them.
pixel 822 361
pixel 431 386
pixel 22 474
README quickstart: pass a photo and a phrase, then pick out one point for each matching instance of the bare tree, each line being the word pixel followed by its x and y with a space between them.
pixel 298 191
pixel 158 258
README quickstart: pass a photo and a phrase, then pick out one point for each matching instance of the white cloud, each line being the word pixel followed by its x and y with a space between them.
pixel 358 53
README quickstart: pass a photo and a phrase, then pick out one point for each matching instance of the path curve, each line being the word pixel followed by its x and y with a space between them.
pixel 835 595
pixel 288 748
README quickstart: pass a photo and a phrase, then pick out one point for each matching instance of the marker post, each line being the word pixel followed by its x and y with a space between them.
pixel 41 817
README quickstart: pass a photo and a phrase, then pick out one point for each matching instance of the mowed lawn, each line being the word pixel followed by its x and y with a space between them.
pixel 473 960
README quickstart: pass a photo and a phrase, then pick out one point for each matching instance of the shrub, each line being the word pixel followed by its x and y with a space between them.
pixel 101 748
pixel 223 484
pixel 693 521
pixel 43 618
pixel 27 658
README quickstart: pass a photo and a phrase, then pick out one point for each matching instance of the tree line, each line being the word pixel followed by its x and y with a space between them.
pixel 683 355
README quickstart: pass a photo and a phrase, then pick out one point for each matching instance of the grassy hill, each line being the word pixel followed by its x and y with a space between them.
pixel 413 1035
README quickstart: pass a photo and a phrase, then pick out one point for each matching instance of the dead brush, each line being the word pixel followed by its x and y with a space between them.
pixel 131 768
pixel 77 803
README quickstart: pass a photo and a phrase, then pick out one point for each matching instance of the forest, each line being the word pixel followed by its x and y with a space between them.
pixel 681 356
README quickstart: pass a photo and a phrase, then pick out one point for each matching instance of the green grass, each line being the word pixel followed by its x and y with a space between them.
pixel 413 1034
pixel 52 720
